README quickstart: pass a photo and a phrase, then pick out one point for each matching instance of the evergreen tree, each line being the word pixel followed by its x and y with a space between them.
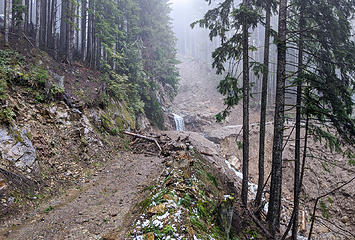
pixel 268 5
pixel 274 211
pixel 231 25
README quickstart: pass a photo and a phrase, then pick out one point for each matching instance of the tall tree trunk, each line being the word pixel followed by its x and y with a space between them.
pixel 274 211
pixel 70 31
pixel 12 16
pixel 298 126
pixel 63 27
pixel 245 181
pixel 43 22
pixel 27 4
pixel 22 20
pixel 83 30
pixel 38 3
pixel 54 28
pixel 49 35
pixel 263 107
pixel 31 28
pixel 89 41
pixel 7 21
pixel 77 27
pixel 94 42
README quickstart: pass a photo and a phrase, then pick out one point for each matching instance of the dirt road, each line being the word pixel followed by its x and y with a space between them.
pixel 89 211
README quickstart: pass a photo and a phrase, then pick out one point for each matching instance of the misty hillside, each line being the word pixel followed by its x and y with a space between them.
pixel 177 119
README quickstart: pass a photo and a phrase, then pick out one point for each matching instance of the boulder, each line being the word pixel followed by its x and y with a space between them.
pixel 16 147
pixel 217 135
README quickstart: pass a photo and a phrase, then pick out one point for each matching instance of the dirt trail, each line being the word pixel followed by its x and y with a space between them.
pixel 99 206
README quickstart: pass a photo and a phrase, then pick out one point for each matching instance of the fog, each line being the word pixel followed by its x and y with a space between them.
pixel 195 42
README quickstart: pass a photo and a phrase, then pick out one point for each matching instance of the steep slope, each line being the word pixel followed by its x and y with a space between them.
pixel 198 101
pixel 54 133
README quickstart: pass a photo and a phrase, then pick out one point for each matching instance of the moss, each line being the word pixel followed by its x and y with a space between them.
pixel 17 136
pixel 107 123
pixel 212 179
pixel 7 116
pixel 198 224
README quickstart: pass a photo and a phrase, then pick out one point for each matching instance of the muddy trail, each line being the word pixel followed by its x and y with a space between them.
pixel 89 211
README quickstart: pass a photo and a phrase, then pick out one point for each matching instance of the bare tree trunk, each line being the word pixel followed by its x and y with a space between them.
pixel 63 27
pixel 89 41
pixel 274 211
pixel 49 18
pixel 54 28
pixel 70 32
pixel 43 22
pixel 22 23
pixel 77 28
pixel 263 108
pixel 12 29
pixel 7 21
pixel 38 3
pixel 27 4
pixel 298 128
pixel 83 30
pixel 31 16
pixel 245 181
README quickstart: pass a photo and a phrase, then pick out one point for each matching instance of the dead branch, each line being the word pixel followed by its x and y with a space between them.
pixel 144 137
pixel 28 40
pixel 260 225
pixel 336 226
pixel 207 154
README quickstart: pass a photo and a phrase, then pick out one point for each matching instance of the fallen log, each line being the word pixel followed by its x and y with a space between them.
pixel 207 154
pixel 144 137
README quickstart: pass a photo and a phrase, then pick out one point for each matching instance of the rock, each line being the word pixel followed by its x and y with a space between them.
pixel 322 229
pixel 196 140
pixel 149 236
pixel 58 80
pixel 345 219
pixel 142 122
pixel 159 209
pixel 2 184
pixel 235 162
pixel 16 147
pixel 220 134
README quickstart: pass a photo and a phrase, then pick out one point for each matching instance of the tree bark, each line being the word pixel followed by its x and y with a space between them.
pixel 63 27
pixel 245 181
pixel 298 128
pixel 27 4
pixel 48 40
pixel 70 31
pixel 89 41
pixel 38 3
pixel 83 30
pixel 263 107
pixel 7 21
pixel 54 28
pixel 274 211
pixel 77 28
pixel 43 22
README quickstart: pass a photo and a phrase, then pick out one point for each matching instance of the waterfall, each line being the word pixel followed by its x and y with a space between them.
pixel 179 122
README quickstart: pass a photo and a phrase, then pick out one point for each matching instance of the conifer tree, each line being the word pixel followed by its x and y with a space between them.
pixel 274 211
pixel 224 21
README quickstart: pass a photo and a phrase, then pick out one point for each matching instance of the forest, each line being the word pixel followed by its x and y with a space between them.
pixel 118 38
pixel 235 117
